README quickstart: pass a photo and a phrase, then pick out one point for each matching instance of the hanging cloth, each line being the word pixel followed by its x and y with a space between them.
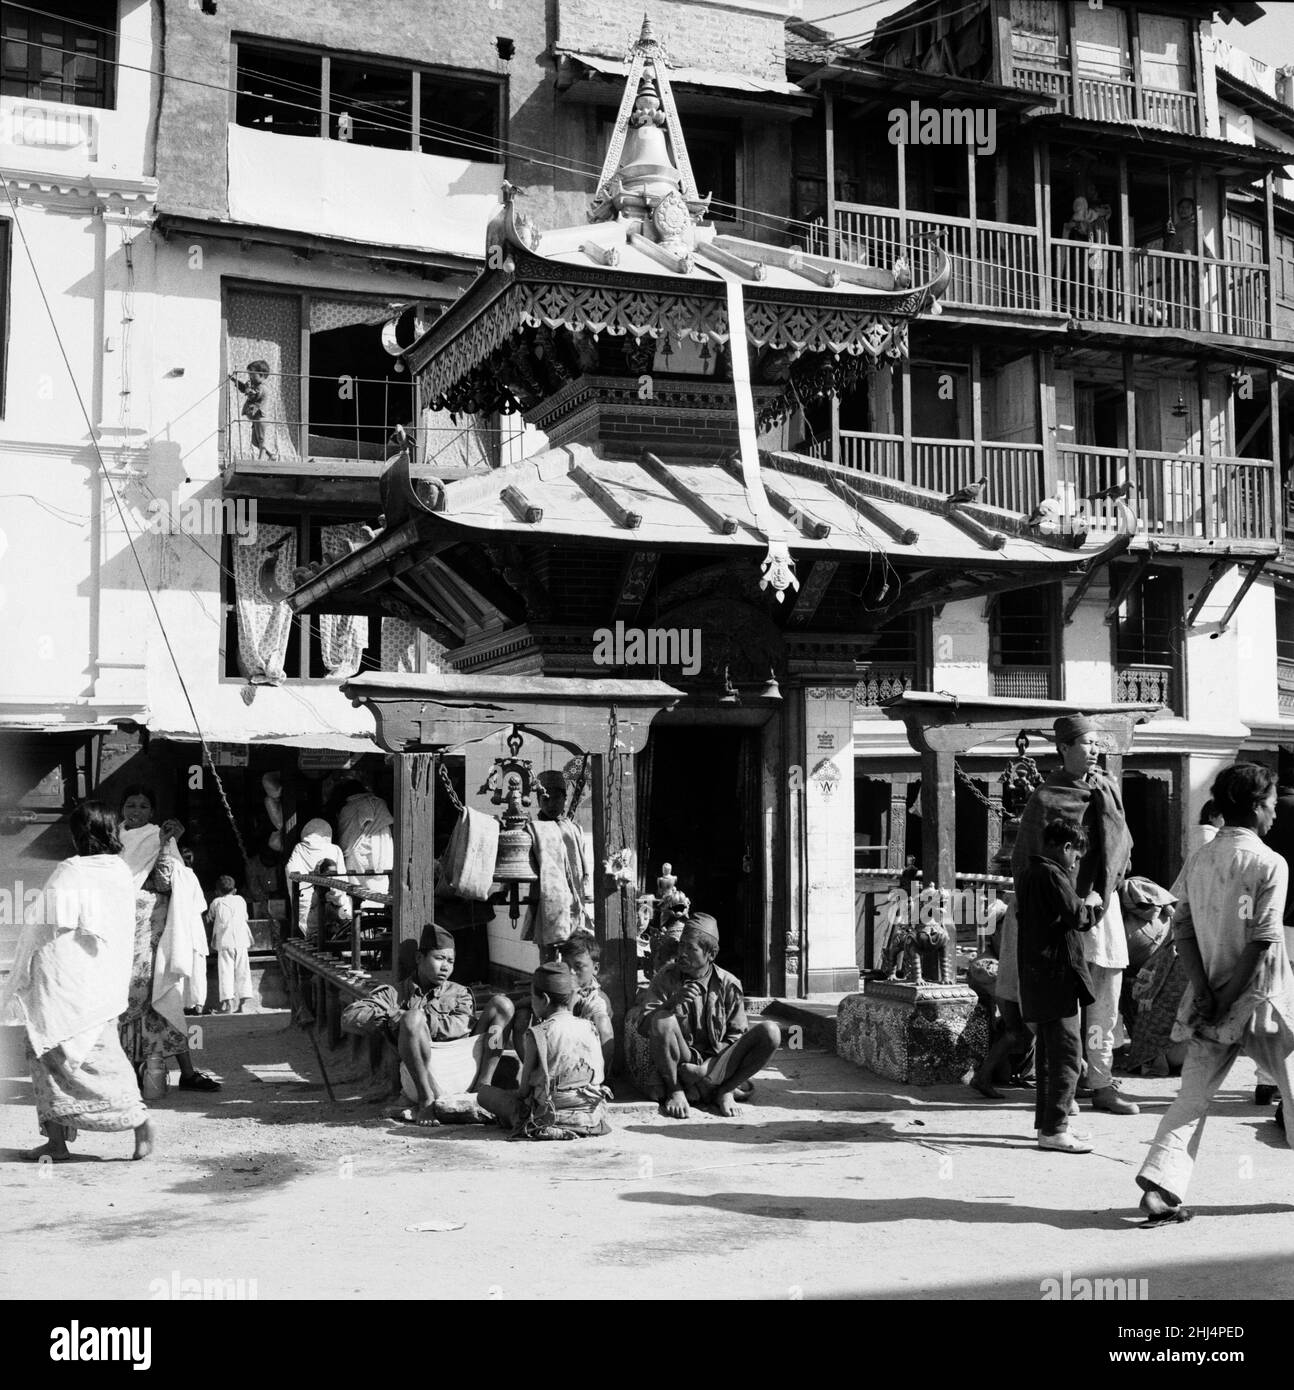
pixel 778 569
pixel 467 869
pixel 264 625
pixel 342 636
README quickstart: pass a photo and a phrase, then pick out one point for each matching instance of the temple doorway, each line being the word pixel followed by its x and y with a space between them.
pixel 700 790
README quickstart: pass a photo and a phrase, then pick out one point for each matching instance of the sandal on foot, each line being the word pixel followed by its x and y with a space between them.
pixel 199 1081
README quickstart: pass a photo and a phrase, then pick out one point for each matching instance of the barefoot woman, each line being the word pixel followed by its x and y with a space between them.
pixel 69 984
pixel 151 855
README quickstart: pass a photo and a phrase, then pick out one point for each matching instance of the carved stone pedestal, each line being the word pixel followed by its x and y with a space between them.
pixel 908 1032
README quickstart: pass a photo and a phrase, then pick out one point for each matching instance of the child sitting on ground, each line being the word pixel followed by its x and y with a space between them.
pixel 559 1092
pixel 581 953
pixel 446 1051
pixel 231 936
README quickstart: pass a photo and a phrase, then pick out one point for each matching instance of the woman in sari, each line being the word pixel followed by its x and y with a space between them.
pixel 68 986
pixel 157 872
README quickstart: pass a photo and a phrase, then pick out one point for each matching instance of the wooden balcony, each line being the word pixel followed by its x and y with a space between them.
pixel 1014 268
pixel 1177 497
pixel 1112 99
pixel 1097 282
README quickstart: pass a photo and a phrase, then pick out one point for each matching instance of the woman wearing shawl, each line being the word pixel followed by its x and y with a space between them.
pixel 1079 791
pixel 68 986
pixel 364 824
pixel 316 845
pixel 170 967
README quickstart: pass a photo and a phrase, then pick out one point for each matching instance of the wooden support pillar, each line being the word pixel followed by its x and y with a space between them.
pixel 905 389
pixel 1276 489
pixel 413 881
pixel 829 129
pixel 1208 501
pixel 971 195
pixel 939 834
pixel 615 905
pixel 1042 208
pixel 896 848
pixel 977 412
pixel 1047 427
pixel 993 823
pixel 1269 255
pixel 1124 311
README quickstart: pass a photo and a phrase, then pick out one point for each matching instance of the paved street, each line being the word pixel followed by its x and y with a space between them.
pixel 833 1184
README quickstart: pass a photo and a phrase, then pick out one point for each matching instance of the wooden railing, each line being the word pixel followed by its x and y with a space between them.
pixel 995 265
pixel 1169 495
pixel 1174 496
pixel 1159 289
pixel 1144 684
pixel 1113 99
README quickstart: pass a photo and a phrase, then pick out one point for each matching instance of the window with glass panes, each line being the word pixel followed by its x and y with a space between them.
pixel 61 50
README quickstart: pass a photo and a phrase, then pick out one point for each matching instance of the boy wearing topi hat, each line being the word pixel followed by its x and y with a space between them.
pixel 1080 791
pixel 694 1020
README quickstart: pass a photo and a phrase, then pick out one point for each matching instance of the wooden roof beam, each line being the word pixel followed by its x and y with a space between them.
pixel 520 506
pixel 1254 571
pixel 717 255
pixel 809 524
pixel 427 617
pixel 601 494
pixel 869 511
pixel 639 571
pixel 1115 548
pixel 960 585
pixel 725 525
pixel 974 528
pixel 1130 583
pixel 1216 570
pixel 812 592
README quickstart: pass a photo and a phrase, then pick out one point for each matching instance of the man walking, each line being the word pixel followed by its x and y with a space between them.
pixel 1229 934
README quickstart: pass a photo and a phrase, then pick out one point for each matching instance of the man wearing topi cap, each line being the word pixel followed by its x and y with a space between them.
pixel 700 1047
pixel 1080 791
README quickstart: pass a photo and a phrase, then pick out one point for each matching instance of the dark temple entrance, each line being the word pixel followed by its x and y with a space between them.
pixel 700 787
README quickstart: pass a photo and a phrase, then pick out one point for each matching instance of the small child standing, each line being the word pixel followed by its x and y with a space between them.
pixel 1054 980
pixel 254 406
pixel 332 910
pixel 232 939
pixel 560 1092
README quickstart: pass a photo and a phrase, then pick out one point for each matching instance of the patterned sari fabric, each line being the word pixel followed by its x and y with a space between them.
pixel 144 1032
pixel 101 1094
pixel 1158 992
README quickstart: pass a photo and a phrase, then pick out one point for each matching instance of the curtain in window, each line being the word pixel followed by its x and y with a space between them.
pixel 400 642
pixel 342 636
pixel 264 625
pixel 327 314
pixel 267 328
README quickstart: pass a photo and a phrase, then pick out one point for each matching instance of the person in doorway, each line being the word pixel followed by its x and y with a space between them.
pixel 1055 981
pixel 560 1092
pixel 364 824
pixel 231 936
pixel 700 1048
pixel 70 982
pixel 1081 792
pixel 1228 928
pixel 445 1048
pixel 170 941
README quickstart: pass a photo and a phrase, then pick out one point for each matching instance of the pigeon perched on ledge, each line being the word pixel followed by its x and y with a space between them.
pixel 970 493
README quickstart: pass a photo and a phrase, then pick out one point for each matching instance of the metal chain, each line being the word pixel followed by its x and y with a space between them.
pixel 449 787
pixel 998 810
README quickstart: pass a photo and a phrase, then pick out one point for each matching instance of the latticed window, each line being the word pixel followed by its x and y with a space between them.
pixel 898 661
pixel 1023 644
pixel 64 52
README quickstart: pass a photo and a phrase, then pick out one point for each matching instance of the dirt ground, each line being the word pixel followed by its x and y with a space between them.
pixel 833 1183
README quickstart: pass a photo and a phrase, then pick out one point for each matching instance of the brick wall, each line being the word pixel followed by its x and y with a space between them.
pixel 727 38
pixel 191 159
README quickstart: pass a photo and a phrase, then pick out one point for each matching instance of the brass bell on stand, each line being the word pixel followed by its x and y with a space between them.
pixel 512 781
